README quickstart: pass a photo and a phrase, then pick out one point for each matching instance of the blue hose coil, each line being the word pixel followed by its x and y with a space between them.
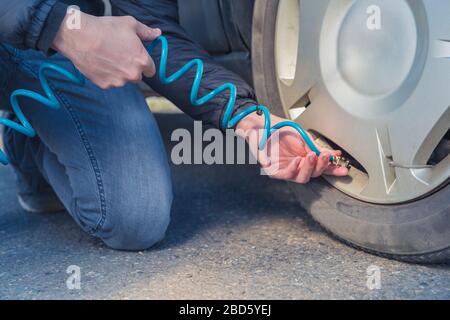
pixel 49 100
pixel 228 121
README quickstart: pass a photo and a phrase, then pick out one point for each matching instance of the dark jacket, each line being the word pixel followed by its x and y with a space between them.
pixel 34 24
pixel 164 15
pixel 30 23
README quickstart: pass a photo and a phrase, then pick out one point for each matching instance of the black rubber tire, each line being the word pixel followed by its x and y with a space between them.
pixel 416 232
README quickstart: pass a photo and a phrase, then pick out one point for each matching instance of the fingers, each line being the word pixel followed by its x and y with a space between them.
pixel 312 167
pixel 337 171
pixel 287 173
pixel 323 163
pixel 149 68
pixel 333 170
pixel 146 33
pixel 302 169
pixel 307 167
pixel 145 63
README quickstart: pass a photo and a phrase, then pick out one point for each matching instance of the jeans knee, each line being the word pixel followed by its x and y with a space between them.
pixel 138 226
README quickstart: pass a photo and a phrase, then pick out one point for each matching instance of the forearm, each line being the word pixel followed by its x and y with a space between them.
pixel 68 40
pixel 182 49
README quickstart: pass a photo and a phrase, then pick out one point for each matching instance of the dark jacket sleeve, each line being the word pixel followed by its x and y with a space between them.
pixel 30 24
pixel 163 14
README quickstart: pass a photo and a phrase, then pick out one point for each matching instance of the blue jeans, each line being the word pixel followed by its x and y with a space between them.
pixel 101 153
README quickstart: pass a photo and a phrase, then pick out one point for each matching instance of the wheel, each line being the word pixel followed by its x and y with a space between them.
pixel 371 78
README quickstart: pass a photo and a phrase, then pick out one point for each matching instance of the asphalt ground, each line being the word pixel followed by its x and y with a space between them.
pixel 234 235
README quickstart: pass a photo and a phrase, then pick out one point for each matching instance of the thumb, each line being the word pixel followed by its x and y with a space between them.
pixel 146 33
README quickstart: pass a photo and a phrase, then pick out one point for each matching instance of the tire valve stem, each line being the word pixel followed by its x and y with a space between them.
pixel 340 162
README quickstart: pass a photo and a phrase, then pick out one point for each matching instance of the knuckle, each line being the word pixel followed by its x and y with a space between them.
pixel 134 76
pixel 116 83
pixel 142 55
pixel 103 85
pixel 303 180
pixel 145 59
pixel 273 172
pixel 120 83
pixel 142 61
pixel 130 20
pixel 151 70
pixel 150 74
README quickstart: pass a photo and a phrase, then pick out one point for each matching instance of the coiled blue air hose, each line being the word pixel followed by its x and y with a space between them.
pixel 49 100
pixel 228 121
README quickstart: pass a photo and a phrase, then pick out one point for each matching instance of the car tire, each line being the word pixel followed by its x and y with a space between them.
pixel 417 231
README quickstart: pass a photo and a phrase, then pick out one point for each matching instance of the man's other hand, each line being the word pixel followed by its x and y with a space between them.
pixel 108 50
pixel 294 160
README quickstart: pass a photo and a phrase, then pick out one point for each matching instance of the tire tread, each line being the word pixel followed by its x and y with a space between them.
pixel 437 257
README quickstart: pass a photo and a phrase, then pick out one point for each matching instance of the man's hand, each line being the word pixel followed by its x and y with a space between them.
pixel 108 50
pixel 294 161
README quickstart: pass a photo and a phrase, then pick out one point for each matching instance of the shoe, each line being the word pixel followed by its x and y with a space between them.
pixel 46 202
pixel 35 194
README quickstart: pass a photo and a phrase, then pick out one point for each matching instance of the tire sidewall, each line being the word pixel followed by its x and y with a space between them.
pixel 416 228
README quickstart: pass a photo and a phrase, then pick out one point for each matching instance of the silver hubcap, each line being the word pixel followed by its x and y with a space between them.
pixel 374 78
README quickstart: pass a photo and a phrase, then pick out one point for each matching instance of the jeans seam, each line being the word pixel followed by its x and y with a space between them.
pixel 100 186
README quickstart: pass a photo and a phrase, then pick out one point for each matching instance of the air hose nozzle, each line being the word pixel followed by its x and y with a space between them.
pixel 340 162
